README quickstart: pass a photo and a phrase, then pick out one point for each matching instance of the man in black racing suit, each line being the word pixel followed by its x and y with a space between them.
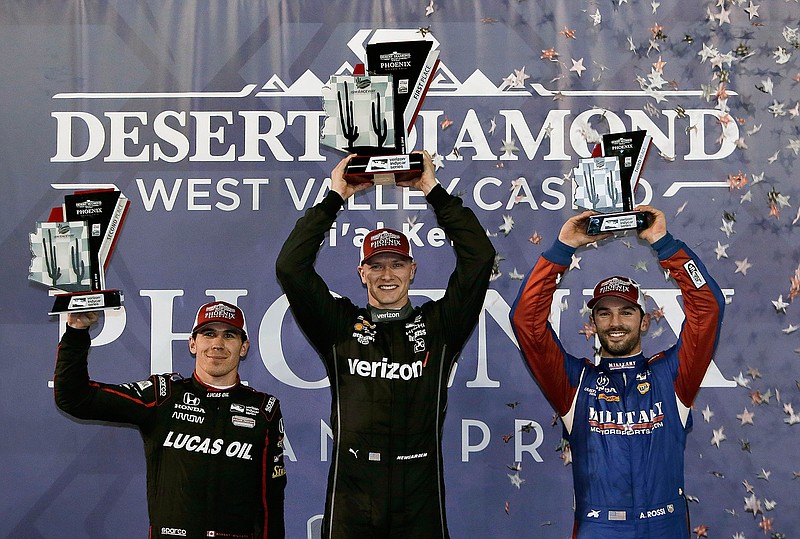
pixel 214 447
pixel 388 363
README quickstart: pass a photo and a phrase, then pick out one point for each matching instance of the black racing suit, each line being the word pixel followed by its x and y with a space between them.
pixel 214 457
pixel 388 379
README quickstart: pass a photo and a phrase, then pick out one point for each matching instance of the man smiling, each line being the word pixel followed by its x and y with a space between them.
pixel 214 447
pixel 626 416
pixel 388 363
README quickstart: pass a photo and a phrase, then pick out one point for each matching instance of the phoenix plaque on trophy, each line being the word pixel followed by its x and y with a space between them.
pixel 371 113
pixel 606 183
pixel 71 251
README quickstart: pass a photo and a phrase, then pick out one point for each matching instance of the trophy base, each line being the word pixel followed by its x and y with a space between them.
pixel 615 222
pixel 383 169
pixel 94 300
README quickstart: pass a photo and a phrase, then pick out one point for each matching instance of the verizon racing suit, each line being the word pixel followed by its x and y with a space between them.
pixel 626 419
pixel 388 378
pixel 214 457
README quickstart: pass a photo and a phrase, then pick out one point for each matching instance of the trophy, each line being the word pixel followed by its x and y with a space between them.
pixel 606 183
pixel 371 114
pixel 70 252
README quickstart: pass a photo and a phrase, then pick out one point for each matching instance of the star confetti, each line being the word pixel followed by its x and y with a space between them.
pixel 742 266
pixel 508 224
pixel 794 281
pixel 516 480
pixel 515 275
pixel 765 524
pixel 587 331
pixel 577 66
pixel 745 417
pixel 549 54
pixel 509 147
pixel 721 250
pixel 718 436
pixel 753 505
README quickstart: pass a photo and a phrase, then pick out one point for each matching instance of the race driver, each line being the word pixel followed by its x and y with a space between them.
pixel 213 446
pixel 388 363
pixel 626 417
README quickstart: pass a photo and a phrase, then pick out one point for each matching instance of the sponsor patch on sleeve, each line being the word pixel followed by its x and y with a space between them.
pixel 694 273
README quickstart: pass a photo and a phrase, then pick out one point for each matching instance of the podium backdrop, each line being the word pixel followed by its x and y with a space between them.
pixel 207 115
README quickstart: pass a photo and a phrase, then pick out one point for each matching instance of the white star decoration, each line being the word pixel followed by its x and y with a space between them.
pixel 577 66
pixel 742 266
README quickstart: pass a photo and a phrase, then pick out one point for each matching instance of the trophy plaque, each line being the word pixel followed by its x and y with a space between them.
pixel 371 114
pixel 71 251
pixel 606 184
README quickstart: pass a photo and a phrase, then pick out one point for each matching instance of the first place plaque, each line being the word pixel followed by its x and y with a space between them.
pixel 371 114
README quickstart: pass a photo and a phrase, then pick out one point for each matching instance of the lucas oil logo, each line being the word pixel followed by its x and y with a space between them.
pixel 208 446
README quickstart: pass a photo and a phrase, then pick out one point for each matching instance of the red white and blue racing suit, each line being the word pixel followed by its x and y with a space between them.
pixel 626 419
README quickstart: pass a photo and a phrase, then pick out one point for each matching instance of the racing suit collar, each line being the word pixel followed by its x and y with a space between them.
pixel 622 364
pixel 212 389
pixel 388 315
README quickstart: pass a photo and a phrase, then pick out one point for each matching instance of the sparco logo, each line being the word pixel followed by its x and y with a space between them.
pixel 385 369
pixel 173 531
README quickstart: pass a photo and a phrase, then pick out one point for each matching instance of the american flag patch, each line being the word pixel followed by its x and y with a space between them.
pixel 616 515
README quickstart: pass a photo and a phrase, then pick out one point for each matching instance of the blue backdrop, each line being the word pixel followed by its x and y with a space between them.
pixel 207 116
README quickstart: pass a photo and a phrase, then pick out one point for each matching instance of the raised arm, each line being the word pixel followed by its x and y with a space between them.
pixel 546 358
pixel 83 398
pixel 703 306
pixel 315 310
pixel 467 285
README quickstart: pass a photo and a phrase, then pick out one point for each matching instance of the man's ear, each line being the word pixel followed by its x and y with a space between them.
pixel 646 318
pixel 360 271
pixel 192 345
pixel 245 349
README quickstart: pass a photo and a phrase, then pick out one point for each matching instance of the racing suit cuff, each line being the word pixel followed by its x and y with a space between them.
pixel 438 196
pixel 560 253
pixel 666 246
pixel 332 203
pixel 76 337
